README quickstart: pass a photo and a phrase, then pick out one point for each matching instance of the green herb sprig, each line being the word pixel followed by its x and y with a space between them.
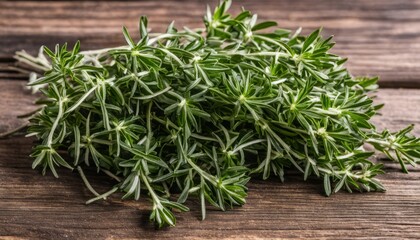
pixel 199 112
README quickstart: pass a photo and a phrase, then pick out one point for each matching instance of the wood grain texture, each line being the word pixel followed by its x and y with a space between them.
pixel 380 37
pixel 42 207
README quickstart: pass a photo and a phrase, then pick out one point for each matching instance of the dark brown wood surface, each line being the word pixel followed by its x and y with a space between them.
pixel 380 38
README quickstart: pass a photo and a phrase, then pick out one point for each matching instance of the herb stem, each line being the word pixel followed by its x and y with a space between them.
pixel 87 184
pixel 55 124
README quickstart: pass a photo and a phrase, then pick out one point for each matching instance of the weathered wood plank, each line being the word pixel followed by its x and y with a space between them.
pixel 15 100
pixel 380 37
pixel 33 206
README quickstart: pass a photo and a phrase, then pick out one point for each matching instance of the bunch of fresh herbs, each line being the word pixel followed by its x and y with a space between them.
pixel 200 112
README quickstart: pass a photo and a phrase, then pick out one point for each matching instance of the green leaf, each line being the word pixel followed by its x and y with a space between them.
pixel 264 25
pixel 128 38
pixel 310 40
pixel 327 185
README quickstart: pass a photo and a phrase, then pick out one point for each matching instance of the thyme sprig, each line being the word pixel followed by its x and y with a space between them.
pixel 199 112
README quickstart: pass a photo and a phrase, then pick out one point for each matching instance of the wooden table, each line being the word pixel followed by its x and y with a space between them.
pixel 379 37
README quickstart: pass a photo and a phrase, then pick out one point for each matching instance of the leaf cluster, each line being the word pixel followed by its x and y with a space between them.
pixel 198 112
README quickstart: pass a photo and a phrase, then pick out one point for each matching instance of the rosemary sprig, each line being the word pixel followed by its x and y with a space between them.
pixel 201 111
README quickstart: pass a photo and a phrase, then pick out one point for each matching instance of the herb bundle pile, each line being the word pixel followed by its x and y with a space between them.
pixel 200 112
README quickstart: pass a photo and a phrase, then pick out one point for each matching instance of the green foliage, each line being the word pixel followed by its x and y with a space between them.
pixel 199 112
